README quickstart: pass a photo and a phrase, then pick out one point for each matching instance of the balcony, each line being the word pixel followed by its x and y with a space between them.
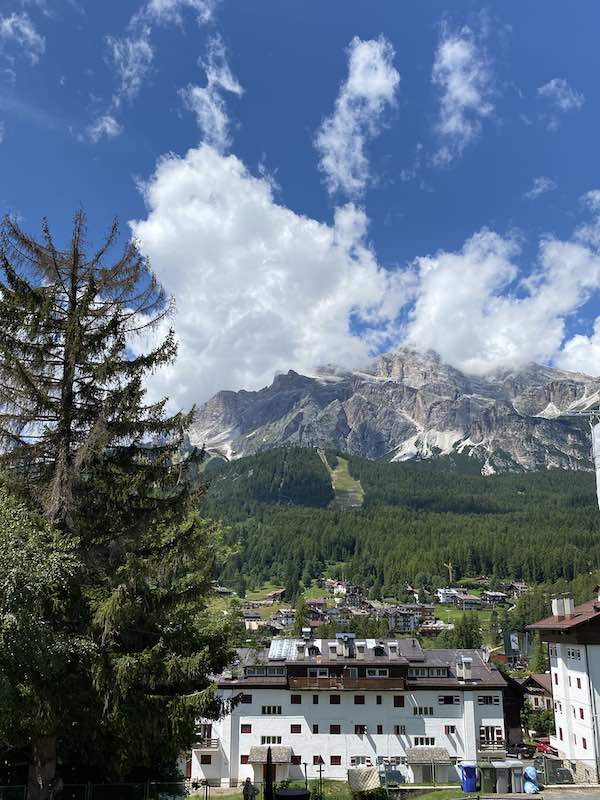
pixel 498 746
pixel 206 744
pixel 342 682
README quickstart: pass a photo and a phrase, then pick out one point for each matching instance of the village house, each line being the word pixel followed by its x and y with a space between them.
pixel 538 691
pixel 494 598
pixel 573 634
pixel 346 702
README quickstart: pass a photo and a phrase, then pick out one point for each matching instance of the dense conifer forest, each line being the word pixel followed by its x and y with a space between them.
pixel 416 518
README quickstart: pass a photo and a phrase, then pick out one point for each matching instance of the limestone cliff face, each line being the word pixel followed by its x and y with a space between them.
pixel 408 404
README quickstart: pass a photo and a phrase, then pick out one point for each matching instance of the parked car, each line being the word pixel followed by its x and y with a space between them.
pixel 522 750
pixel 542 745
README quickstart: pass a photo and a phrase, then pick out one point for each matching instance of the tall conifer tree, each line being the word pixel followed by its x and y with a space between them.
pixel 80 440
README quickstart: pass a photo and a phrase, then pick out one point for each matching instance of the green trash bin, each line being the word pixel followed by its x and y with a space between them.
pixel 488 777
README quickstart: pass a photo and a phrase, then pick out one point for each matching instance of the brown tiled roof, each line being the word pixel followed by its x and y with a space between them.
pixel 583 613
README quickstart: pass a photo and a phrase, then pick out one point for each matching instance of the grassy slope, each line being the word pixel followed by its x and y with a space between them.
pixel 349 492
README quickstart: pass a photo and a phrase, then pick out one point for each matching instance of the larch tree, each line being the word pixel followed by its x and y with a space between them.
pixel 107 469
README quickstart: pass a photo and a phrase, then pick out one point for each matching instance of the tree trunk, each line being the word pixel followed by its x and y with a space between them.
pixel 42 768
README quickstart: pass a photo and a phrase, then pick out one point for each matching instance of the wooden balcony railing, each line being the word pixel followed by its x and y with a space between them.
pixel 487 747
pixel 207 744
pixel 342 683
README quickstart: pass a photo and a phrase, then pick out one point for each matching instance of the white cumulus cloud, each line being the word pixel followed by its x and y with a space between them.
pixel 462 75
pixel 479 310
pixel 18 29
pixel 369 88
pixel 540 186
pixel 106 126
pixel 258 287
pixel 206 101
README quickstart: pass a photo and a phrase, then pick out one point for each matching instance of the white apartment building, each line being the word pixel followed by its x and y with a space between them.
pixel 340 703
pixel 573 634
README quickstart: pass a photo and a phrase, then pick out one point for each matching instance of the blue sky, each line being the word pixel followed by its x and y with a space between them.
pixel 333 178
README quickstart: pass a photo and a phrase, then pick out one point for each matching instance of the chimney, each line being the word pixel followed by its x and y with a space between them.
pixel 558 606
pixel 467 668
pixel 569 605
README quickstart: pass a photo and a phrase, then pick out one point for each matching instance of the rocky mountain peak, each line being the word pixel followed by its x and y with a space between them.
pixel 410 404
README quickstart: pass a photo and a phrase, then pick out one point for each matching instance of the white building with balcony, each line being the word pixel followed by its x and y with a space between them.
pixel 340 703
pixel 573 634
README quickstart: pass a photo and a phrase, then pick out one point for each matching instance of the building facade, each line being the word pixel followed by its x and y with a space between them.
pixel 341 703
pixel 573 634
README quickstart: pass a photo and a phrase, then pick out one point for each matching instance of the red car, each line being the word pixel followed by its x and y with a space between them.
pixel 542 745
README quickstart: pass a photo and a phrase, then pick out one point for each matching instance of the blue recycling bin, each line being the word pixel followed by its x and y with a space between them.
pixel 468 777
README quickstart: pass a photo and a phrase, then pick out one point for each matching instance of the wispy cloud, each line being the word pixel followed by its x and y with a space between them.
pixel 132 58
pixel 561 98
pixel 461 71
pixel 17 29
pixel 370 88
pixel 206 101
pixel 132 54
pixel 106 126
pixel 540 186
pixel 562 95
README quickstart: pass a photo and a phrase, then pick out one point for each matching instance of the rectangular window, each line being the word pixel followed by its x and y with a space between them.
pixel 449 730
pixel 271 710
pixel 359 699
pixel 295 728
pixel 579 683
pixel 295 699
pixel 255 671
pixel 296 759
pixel 360 730
pixel 398 701
pixel 246 699
pixel 334 729
pixel 315 728
pixel 335 761
pixel 317 760
pixel 380 729
pixel 488 700
pixel 334 699
pixel 205 758
pixel 245 728
pixel 315 699
pixel 399 730
pixel 243 759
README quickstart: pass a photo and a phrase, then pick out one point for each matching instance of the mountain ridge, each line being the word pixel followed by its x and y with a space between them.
pixel 409 404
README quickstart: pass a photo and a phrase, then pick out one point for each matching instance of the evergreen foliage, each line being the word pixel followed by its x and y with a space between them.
pixel 83 446
pixel 537 527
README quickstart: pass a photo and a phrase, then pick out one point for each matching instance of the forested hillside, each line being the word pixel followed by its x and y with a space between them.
pixel 418 516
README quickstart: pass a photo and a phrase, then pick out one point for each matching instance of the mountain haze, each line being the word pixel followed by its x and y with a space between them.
pixel 409 404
